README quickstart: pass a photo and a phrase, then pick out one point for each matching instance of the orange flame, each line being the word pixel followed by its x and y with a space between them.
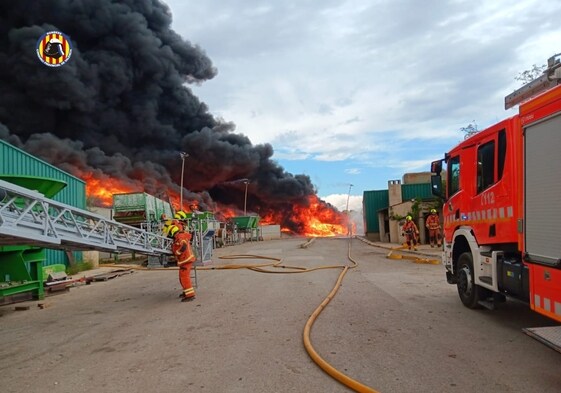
pixel 316 219
pixel 102 188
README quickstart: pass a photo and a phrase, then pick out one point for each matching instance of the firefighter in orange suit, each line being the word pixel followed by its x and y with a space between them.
pixel 433 225
pixel 181 249
pixel 410 232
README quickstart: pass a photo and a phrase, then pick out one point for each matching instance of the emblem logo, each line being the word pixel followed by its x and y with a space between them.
pixel 54 48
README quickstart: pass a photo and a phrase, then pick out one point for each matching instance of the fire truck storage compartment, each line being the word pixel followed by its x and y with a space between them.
pixel 514 277
pixel 542 191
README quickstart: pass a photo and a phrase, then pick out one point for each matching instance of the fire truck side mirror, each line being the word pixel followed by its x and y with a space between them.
pixel 436 167
pixel 436 185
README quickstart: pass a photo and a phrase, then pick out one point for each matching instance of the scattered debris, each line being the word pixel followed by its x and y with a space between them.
pixel 56 276
pixel 110 275
pixel 307 243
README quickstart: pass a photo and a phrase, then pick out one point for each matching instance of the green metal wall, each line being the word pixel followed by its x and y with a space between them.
pixel 14 161
pixel 413 191
pixel 372 202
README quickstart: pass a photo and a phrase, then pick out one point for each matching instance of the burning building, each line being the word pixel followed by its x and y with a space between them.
pixel 120 110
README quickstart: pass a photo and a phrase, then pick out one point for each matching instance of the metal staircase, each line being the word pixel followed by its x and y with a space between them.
pixel 28 217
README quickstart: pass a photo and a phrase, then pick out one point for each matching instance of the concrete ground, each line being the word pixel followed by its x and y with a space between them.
pixel 394 325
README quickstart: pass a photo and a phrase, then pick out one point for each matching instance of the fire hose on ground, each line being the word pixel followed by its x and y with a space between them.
pixel 277 267
pixel 322 363
pixel 409 255
pixel 415 258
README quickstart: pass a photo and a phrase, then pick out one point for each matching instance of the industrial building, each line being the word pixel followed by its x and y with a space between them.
pixel 19 263
pixel 384 210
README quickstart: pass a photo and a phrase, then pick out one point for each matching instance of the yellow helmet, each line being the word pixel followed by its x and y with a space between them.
pixel 172 230
pixel 165 228
pixel 180 215
pixel 408 218
pixel 433 211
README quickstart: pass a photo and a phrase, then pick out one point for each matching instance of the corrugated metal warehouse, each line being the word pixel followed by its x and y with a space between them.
pixel 16 162
pixel 375 202
pixel 372 202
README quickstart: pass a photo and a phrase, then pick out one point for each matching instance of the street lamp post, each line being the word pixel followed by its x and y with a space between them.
pixel 246 182
pixel 183 157
pixel 348 213
pixel 348 197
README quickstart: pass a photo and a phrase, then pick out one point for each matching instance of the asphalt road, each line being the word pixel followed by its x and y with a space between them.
pixel 394 325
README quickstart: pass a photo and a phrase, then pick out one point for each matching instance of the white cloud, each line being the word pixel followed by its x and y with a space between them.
pixel 340 201
pixel 383 84
pixel 355 208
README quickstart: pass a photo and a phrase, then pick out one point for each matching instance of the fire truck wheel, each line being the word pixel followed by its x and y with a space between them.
pixel 470 294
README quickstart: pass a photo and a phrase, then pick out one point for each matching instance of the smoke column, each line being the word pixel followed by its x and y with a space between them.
pixel 121 107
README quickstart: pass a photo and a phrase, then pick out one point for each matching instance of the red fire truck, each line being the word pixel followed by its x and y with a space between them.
pixel 502 210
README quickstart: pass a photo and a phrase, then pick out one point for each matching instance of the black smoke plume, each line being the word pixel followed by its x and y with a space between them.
pixel 121 106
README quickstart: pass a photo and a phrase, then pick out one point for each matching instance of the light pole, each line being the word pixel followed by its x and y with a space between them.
pixel 349 230
pixel 183 157
pixel 246 182
pixel 348 197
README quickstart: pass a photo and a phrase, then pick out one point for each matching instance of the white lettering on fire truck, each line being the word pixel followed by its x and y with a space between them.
pixel 527 118
pixel 488 198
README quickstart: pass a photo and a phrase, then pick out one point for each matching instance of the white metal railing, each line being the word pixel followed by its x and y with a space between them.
pixel 28 217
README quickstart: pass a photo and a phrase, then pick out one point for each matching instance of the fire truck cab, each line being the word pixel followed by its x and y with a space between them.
pixel 502 206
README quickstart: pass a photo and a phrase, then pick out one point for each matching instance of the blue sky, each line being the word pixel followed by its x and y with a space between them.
pixel 360 92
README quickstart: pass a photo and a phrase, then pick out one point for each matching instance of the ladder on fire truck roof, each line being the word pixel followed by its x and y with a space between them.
pixel 551 77
pixel 27 217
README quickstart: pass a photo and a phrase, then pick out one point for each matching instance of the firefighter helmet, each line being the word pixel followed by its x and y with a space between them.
pixel 432 211
pixel 408 218
pixel 180 215
pixel 166 226
pixel 173 229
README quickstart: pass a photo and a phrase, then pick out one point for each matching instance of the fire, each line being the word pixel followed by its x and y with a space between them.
pixel 312 219
pixel 317 219
pixel 225 212
pixel 102 189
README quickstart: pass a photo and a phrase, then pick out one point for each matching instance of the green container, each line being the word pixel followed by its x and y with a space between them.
pixel 162 207
pixel 202 220
pixel 200 216
pixel 138 207
pixel 246 222
pixel 134 201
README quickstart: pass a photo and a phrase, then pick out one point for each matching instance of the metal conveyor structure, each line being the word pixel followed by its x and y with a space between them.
pixel 28 217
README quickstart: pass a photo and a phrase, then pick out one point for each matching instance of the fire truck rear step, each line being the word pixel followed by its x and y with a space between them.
pixel 549 335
